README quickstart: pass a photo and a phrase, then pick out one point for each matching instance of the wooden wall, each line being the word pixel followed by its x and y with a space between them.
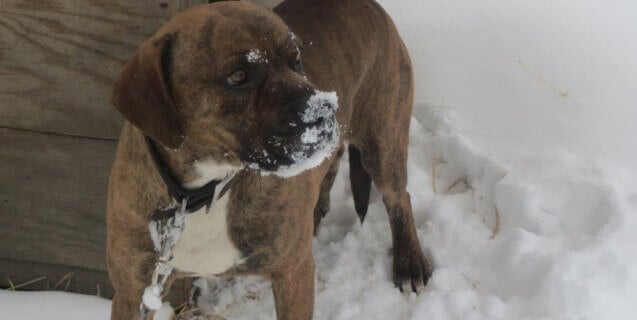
pixel 58 133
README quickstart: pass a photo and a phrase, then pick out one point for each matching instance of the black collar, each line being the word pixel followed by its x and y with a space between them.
pixel 195 198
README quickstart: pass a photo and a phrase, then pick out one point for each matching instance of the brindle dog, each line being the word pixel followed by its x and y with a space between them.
pixel 212 88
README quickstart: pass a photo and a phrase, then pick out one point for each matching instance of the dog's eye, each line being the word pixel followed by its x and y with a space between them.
pixel 238 78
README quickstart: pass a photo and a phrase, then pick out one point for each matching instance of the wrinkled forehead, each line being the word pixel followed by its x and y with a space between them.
pixel 237 35
pixel 229 33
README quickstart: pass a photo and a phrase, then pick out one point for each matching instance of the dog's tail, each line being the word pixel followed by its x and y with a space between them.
pixel 361 182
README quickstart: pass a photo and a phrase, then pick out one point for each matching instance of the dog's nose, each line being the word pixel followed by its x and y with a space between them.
pixel 319 107
pixel 291 121
pixel 314 122
pixel 328 105
pixel 295 109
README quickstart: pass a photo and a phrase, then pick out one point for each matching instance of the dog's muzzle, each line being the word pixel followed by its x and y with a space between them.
pixel 312 132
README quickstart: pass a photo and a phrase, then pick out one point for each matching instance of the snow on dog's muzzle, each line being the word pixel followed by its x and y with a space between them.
pixel 320 119
pixel 319 138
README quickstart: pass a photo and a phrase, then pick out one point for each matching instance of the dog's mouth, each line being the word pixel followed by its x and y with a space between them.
pixel 305 145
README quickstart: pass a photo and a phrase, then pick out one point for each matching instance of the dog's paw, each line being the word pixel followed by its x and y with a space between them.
pixel 412 269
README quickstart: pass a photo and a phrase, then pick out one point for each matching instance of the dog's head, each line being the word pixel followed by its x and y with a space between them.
pixel 225 81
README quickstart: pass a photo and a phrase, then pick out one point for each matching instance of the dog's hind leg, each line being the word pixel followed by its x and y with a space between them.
pixel 381 134
pixel 323 202
pixel 387 166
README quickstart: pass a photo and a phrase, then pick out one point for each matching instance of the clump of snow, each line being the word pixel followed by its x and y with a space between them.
pixel 311 135
pixel 254 55
pixel 152 298
pixel 173 233
pixel 322 138
pixel 293 36
pixel 165 312
pixel 320 105
pixel 164 234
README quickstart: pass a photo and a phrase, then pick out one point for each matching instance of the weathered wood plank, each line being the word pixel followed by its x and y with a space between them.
pixel 266 3
pixel 58 60
pixel 53 198
pixel 43 276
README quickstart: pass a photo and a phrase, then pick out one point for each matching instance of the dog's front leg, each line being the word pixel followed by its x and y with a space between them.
pixel 294 291
pixel 126 302
pixel 129 281
pixel 129 286
pixel 131 259
pixel 124 308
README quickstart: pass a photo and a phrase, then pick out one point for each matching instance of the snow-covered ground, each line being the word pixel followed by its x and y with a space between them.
pixel 52 306
pixel 526 114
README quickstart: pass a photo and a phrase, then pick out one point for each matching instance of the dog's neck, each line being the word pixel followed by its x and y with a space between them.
pixel 195 173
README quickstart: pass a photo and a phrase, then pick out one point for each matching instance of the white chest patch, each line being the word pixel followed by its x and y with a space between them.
pixel 207 170
pixel 205 248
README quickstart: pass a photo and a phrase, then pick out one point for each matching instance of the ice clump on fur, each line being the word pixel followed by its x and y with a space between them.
pixel 173 235
pixel 320 105
pixel 152 298
pixel 255 55
pixel 292 35
pixel 165 312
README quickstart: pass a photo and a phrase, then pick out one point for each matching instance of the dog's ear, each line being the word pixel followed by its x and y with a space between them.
pixel 142 96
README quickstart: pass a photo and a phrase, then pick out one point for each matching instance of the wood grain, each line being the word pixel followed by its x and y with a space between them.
pixel 28 275
pixel 53 198
pixel 266 3
pixel 59 59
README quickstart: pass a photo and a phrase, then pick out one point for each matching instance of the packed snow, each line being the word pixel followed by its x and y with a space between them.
pixel 52 306
pixel 521 170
